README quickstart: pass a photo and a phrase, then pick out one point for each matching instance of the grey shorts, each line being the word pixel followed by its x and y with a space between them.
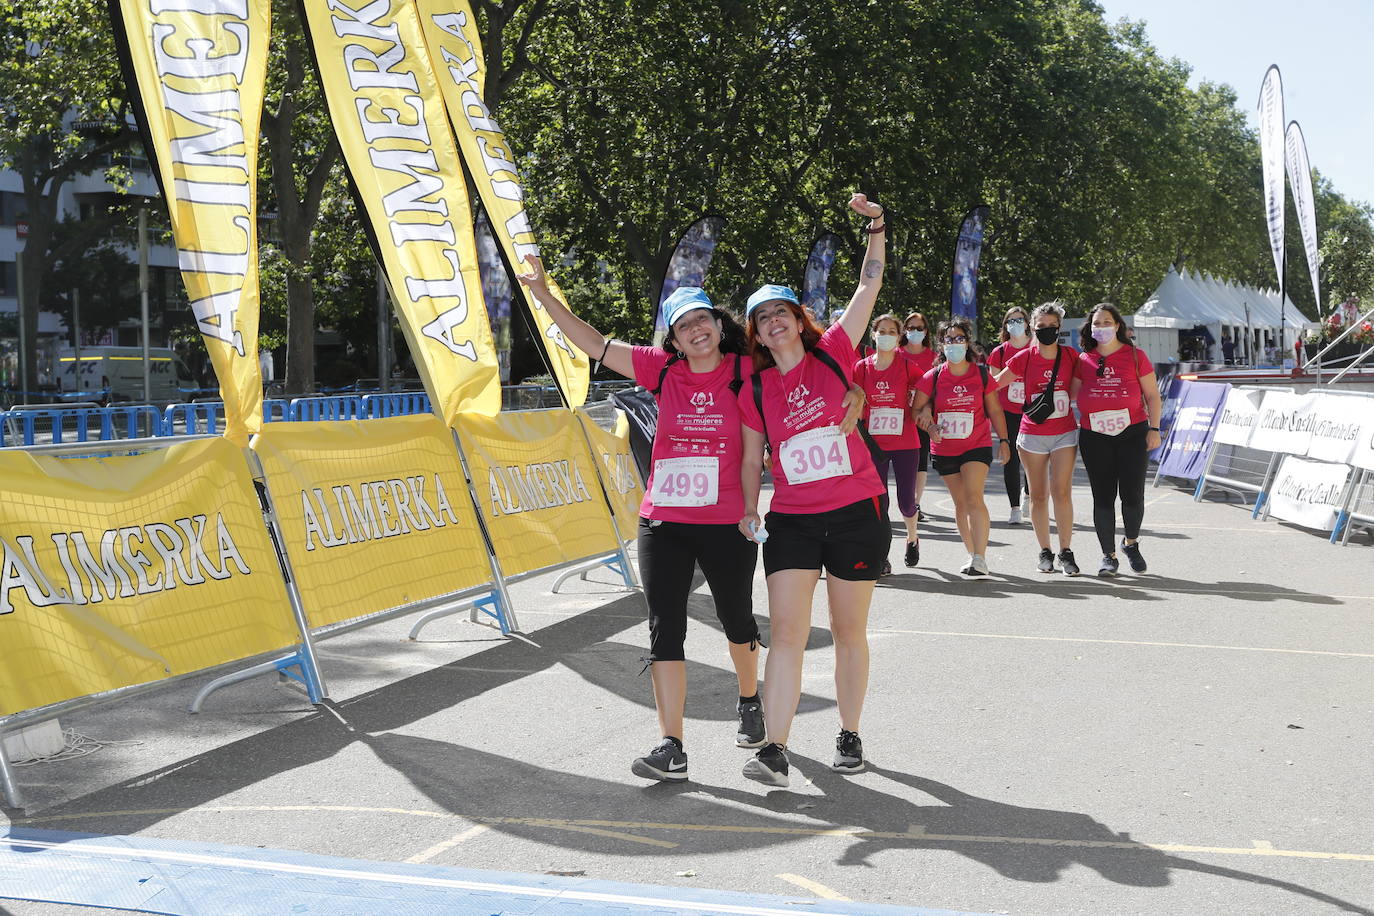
pixel 1043 445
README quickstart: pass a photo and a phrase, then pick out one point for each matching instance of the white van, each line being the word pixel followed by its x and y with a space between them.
pixel 120 369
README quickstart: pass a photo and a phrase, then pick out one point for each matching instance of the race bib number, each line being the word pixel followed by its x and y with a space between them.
pixel 1017 393
pixel 817 454
pixel 1061 404
pixel 686 481
pixel 886 421
pixel 1109 422
pixel 955 425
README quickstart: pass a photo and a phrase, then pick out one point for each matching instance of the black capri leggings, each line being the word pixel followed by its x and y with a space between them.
pixel 1116 465
pixel 1012 478
pixel 668 551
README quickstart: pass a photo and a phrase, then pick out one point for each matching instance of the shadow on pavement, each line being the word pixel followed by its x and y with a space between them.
pixel 1126 587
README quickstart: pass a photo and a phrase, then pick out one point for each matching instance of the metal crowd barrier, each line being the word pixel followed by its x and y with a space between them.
pixel 396 404
pixel 328 407
pixel 78 423
pixel 1357 508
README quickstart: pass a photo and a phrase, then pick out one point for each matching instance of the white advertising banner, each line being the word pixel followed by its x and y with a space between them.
pixel 1362 456
pixel 1300 177
pixel 1238 416
pixel 1342 421
pixel 1285 423
pixel 1308 493
pixel 1271 160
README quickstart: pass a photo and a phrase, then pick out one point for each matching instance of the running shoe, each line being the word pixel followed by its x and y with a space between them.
pixel 768 766
pixel 849 753
pixel 1046 560
pixel 1068 563
pixel 751 730
pixel 1132 552
pixel 667 763
pixel 887 569
pixel 921 516
pixel 1108 567
pixel 913 553
pixel 967 568
pixel 1015 518
pixel 980 565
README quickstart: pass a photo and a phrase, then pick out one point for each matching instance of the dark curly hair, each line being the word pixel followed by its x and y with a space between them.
pixel 1085 333
pixel 732 338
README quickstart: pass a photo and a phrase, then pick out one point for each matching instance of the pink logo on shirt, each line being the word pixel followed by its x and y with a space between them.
pixel 702 400
pixel 797 397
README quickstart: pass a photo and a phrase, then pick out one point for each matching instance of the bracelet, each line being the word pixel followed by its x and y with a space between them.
pixel 604 349
pixel 1154 429
pixel 875 230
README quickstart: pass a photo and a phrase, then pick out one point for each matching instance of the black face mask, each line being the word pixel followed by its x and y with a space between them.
pixel 1047 335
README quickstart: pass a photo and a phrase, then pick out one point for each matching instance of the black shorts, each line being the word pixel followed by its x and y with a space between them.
pixel 923 462
pixel 850 542
pixel 950 464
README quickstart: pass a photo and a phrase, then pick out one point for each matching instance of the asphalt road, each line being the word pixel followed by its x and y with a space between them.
pixel 1195 740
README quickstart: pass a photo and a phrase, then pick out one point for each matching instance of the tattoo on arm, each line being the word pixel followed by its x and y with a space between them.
pixel 873 269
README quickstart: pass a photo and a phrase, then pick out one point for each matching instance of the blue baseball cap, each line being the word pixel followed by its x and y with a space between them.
pixel 683 300
pixel 769 292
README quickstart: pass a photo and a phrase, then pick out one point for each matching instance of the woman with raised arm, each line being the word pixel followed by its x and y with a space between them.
pixel 889 383
pixel 825 506
pixel 1048 440
pixel 962 400
pixel 1118 409
pixel 918 348
pixel 692 502
pixel 1015 338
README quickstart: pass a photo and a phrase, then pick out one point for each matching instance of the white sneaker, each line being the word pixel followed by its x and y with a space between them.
pixel 980 565
pixel 1015 517
pixel 967 568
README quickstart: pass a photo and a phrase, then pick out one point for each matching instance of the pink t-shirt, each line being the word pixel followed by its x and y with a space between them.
pixel 1036 377
pixel 695 474
pixel 959 410
pixel 803 409
pixel 889 390
pixel 925 360
pixel 1101 400
pixel 997 360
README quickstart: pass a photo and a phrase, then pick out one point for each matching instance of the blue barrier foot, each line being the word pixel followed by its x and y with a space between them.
pixel 293 666
pixel 491 606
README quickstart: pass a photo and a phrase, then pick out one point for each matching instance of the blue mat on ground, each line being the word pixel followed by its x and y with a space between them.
pixel 199 879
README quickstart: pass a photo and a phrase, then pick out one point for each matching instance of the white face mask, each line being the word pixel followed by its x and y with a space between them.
pixel 1016 329
pixel 915 337
pixel 885 342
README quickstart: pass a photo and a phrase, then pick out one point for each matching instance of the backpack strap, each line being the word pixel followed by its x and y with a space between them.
pixel 738 381
pixel 757 380
pixel 664 374
pixel 834 366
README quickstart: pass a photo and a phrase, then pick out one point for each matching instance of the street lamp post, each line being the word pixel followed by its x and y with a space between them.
pixel 143 299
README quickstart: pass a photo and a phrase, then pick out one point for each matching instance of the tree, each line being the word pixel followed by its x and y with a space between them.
pixel 63 111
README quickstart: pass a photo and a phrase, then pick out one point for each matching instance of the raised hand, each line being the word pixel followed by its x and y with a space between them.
pixel 535 279
pixel 861 205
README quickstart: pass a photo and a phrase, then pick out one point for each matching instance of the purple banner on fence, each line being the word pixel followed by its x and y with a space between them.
pixel 1195 423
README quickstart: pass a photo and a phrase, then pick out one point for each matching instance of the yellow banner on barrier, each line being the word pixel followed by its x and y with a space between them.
pixel 456 48
pixel 122 571
pixel 390 120
pixel 200 71
pixel 375 514
pixel 618 471
pixel 541 511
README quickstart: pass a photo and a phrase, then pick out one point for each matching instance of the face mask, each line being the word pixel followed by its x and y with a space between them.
pixel 955 352
pixel 885 342
pixel 915 337
pixel 1102 335
pixel 1047 335
pixel 1016 329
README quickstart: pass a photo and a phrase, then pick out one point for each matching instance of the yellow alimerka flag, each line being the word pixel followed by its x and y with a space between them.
pixel 200 67
pixel 456 49
pixel 537 487
pixel 375 514
pixel 120 571
pixel 384 101
pixel 618 471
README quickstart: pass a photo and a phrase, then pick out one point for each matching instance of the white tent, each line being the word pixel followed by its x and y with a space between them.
pixel 1189 301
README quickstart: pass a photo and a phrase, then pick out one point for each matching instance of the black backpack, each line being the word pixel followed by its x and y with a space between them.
pixel 935 385
pixel 829 361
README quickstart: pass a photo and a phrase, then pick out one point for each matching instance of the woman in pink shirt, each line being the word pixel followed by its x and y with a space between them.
pixel 889 383
pixel 1118 407
pixel 825 506
pixel 692 503
pixel 965 411
pixel 918 348
pixel 1048 446
pixel 1015 338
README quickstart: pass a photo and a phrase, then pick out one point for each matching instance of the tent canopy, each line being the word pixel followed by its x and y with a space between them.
pixel 1189 299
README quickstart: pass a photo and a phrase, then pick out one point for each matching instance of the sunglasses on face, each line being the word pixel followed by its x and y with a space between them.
pixel 956 340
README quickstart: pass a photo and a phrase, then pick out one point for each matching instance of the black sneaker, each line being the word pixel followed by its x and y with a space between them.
pixel 1046 560
pixel 1132 552
pixel 887 569
pixel 1108 567
pixel 1068 563
pixel 768 766
pixel 750 724
pixel 913 553
pixel 667 763
pixel 921 516
pixel 849 753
